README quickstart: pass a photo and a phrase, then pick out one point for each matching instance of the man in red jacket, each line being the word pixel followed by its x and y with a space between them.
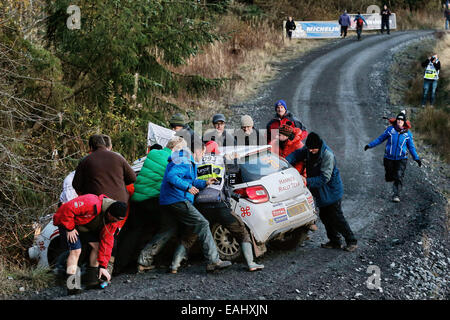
pixel 282 116
pixel 92 219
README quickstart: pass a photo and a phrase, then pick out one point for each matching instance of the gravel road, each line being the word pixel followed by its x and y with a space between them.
pixel 339 91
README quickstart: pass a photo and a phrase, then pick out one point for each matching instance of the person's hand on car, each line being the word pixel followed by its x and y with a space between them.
pixel 193 190
pixel 211 181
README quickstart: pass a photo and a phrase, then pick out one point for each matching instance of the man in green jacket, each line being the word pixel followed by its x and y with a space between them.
pixel 144 212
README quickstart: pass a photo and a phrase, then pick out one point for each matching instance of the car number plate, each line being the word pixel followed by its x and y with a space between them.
pixel 297 209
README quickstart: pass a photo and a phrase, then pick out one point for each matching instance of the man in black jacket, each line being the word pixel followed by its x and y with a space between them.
pixel 290 26
pixel 385 13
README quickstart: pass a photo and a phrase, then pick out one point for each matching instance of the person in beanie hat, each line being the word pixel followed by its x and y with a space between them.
pixel 399 142
pixel 247 134
pixel 218 134
pixel 93 220
pixel 324 182
pixel 283 116
pixel 180 125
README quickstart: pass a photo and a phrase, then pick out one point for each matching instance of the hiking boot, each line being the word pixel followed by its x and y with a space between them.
pixel 331 245
pixel 218 265
pixel 396 199
pixel 90 278
pixel 142 269
pixel 351 247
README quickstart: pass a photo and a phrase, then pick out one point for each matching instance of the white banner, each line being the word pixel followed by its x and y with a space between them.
pixel 373 21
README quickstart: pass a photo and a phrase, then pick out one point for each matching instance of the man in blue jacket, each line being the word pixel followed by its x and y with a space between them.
pixel 178 188
pixel 399 141
pixel 324 182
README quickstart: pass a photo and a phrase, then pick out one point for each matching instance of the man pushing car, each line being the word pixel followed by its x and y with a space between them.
pixel 93 220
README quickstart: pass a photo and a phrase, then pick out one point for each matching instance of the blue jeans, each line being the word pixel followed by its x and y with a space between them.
pixel 447 22
pixel 186 214
pixel 427 85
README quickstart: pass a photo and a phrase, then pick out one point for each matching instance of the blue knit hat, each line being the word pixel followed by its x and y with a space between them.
pixel 281 102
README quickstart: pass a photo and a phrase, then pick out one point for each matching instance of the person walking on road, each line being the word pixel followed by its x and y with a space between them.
pixel 385 14
pixel 344 21
pixel 432 67
pixel 399 141
pixel 447 16
pixel 360 21
pixel 324 182
pixel 290 26
pixel 178 188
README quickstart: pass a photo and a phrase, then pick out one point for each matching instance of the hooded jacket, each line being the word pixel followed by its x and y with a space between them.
pixel 86 213
pixel 179 177
pixel 398 143
pixel 324 180
pixel 289 146
pixel 148 182
pixel 344 20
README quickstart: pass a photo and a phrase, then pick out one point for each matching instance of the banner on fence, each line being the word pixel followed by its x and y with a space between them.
pixel 332 29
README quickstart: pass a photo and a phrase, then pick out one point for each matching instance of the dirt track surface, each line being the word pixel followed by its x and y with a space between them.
pixel 340 92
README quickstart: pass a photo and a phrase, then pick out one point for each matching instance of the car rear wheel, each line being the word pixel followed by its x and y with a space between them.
pixel 54 251
pixel 227 246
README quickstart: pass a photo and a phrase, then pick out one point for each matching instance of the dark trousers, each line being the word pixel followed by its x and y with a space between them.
pixel 143 219
pixel 334 221
pixel 394 172
pixel 358 32
pixel 221 214
pixel 344 31
pixel 385 24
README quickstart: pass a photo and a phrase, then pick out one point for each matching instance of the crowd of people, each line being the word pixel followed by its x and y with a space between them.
pixel 179 193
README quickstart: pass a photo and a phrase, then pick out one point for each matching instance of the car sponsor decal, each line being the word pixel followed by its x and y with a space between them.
pixel 278 212
pixel 245 212
pixel 280 218
pixel 288 183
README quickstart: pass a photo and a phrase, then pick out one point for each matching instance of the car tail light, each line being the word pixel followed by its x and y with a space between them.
pixel 255 194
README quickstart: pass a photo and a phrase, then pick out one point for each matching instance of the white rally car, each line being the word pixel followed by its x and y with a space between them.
pixel 266 193
pixel 270 197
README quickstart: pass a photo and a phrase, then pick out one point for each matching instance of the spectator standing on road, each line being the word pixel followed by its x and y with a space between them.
pixel 178 188
pixel 385 14
pixel 247 135
pixel 399 141
pixel 432 67
pixel 290 26
pixel 360 21
pixel 103 172
pixel 93 220
pixel 447 15
pixel 324 182
pixel 282 116
pixel 219 134
pixel 144 211
pixel 344 21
